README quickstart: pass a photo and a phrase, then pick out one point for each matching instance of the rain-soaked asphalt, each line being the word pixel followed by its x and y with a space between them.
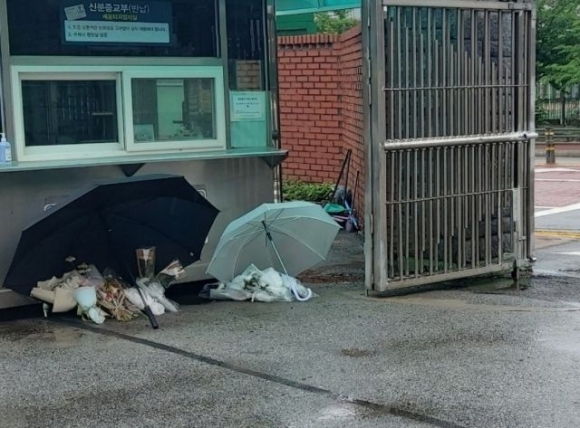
pixel 480 356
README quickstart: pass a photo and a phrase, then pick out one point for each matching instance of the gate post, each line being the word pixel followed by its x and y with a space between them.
pixel 373 16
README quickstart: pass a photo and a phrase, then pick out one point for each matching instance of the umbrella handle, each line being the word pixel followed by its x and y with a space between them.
pixel 151 317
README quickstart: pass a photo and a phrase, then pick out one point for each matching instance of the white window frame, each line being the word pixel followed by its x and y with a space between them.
pixel 159 72
pixel 126 146
pixel 59 152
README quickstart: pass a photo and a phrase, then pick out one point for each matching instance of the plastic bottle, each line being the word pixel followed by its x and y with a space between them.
pixel 5 150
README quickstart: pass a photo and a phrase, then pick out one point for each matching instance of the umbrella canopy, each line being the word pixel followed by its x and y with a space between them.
pixel 301 235
pixel 107 223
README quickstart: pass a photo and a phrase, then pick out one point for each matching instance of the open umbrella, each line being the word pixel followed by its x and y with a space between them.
pixel 106 224
pixel 292 236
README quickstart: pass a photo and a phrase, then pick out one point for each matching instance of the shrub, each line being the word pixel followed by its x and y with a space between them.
pixel 293 190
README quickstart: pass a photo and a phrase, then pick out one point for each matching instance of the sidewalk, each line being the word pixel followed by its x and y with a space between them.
pixel 476 357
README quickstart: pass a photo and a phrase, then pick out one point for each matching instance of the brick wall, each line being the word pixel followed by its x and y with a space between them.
pixel 248 75
pixel 320 79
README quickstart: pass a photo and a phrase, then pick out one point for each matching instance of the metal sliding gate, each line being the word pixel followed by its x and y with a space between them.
pixel 450 134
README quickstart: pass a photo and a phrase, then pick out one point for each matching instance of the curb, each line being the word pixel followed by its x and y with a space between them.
pixel 549 233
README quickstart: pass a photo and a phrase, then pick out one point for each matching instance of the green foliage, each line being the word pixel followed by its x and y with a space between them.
pixel 334 23
pixel 558 42
pixel 311 192
pixel 541 113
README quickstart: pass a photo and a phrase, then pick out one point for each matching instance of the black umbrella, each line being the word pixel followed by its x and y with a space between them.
pixel 107 223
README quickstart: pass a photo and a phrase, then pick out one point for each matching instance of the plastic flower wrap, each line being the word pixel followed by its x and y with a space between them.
pixel 173 272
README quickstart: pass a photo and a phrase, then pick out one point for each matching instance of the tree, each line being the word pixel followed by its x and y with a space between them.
pixel 334 22
pixel 558 46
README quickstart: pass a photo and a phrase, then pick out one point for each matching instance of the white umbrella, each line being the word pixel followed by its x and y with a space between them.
pixel 293 236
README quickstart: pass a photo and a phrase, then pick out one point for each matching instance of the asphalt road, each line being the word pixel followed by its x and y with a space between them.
pixel 481 356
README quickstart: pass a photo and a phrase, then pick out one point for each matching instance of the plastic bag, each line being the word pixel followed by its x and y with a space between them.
pixel 223 293
pixel 260 286
pixel 135 298
pixel 157 292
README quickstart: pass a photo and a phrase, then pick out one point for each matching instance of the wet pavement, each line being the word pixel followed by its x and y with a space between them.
pixel 484 355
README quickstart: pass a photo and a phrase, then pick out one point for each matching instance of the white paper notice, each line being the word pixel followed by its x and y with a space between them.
pixel 248 106
pixel 116 32
pixel 74 13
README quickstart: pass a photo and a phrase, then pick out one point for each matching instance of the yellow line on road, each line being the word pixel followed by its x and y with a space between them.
pixel 547 233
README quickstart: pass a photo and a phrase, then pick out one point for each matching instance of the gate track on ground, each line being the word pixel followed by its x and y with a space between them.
pixel 375 407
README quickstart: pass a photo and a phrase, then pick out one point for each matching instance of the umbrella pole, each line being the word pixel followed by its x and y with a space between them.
pixel 290 279
pixel 269 236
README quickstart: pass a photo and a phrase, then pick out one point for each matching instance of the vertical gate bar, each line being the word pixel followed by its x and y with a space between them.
pixel 439 205
pixel 500 71
pixel 459 202
pixel 416 213
pixel 473 67
pixel 508 171
pixel 473 204
pixel 452 173
pixel 444 55
pixel 467 110
pixel 486 61
pixel 432 213
pixel 478 177
pixel 513 76
pixel 430 35
pixel 423 234
pixel 494 99
pixel 460 108
pixel 501 195
pixel 424 94
pixel 487 212
pixel 452 109
pixel 414 61
pixel 407 109
pixel 445 219
pixel 437 83
pixel 407 209
pixel 391 211
pixel 493 196
pixel 399 46
pixel 392 67
pixel 522 76
pixel 400 183
pixel 480 95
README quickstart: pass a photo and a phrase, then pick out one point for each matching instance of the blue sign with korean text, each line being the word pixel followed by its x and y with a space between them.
pixel 137 22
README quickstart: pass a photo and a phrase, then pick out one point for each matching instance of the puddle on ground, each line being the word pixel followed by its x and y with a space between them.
pixel 42 333
pixel 338 412
pixel 563 343
pixel 459 304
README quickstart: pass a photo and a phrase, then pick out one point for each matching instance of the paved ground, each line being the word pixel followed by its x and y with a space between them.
pixel 481 356
pixel 557 190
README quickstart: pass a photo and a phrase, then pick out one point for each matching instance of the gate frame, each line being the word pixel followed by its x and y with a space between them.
pixel 375 132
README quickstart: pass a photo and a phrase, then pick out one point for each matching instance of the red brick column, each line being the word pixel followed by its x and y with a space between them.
pixel 321 107
pixel 309 77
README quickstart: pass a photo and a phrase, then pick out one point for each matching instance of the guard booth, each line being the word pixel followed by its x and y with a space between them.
pixel 97 90
pixel 449 99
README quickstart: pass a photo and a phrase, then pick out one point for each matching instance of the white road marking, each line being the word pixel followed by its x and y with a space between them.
pixel 541 170
pixel 562 180
pixel 571 253
pixel 558 210
pixel 545 208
